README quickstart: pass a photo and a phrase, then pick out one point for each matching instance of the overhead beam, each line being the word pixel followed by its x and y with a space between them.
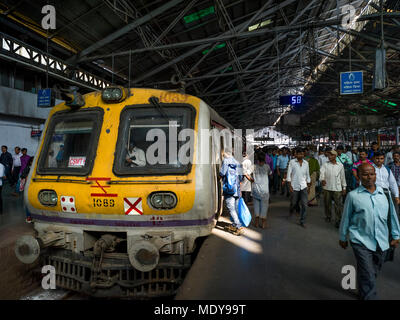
pixel 138 22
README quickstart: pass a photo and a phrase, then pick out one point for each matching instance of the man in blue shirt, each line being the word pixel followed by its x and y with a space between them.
pixel 231 167
pixel 281 170
pixel 365 222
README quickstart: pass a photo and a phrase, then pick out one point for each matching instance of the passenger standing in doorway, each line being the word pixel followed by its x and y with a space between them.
pixel 334 185
pixel 364 223
pixel 245 186
pixel 229 173
pixel 298 176
pixel 260 191
pixel 16 170
pixel 7 160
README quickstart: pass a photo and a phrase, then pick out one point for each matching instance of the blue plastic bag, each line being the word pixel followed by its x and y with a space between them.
pixel 244 213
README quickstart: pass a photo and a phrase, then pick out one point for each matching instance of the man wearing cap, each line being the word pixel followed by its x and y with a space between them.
pixel 333 182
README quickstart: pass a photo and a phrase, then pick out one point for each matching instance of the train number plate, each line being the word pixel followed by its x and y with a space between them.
pixel 107 203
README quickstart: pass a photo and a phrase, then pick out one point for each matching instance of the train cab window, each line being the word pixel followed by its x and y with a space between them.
pixel 149 141
pixel 70 143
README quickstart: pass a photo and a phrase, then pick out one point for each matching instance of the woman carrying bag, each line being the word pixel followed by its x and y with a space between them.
pixel 260 190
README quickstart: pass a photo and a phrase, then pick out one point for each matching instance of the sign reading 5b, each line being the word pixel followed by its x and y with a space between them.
pixel 290 100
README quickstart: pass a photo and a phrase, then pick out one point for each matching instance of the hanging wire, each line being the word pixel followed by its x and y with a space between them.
pixel 129 73
pixel 112 67
pixel 47 53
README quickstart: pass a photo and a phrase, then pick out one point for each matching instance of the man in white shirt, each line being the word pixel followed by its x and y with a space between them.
pixel 135 157
pixel 384 176
pixel 389 155
pixel 16 165
pixel 333 182
pixel 348 152
pixel 298 176
pixel 245 186
pixel 323 157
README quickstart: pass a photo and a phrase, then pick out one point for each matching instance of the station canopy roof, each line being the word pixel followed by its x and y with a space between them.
pixel 237 55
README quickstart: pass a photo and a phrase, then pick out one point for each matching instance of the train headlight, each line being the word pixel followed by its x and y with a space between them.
pixel 48 198
pixel 163 200
pixel 114 94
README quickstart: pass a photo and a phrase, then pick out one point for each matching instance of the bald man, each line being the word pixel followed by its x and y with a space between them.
pixel 365 222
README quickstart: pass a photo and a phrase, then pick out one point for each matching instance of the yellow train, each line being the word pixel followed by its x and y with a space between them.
pixel 111 220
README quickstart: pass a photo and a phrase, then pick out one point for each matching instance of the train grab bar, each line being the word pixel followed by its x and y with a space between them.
pixel 149 181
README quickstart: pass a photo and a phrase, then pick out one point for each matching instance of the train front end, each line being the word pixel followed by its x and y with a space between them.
pixel 115 193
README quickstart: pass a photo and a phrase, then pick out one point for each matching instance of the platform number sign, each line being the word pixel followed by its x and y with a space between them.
pixel 291 100
pixel 296 100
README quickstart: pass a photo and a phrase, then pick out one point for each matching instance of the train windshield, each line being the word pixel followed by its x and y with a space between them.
pixel 155 140
pixel 69 144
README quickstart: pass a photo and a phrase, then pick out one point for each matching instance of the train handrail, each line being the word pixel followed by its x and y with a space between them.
pixel 61 180
pixel 149 181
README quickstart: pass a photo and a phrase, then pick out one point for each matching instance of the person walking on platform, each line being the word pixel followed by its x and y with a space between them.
pixel 298 176
pixel 229 173
pixel 16 170
pixel 384 176
pixel 389 155
pixel 347 164
pixel 260 190
pixel 314 174
pixel 7 160
pixel 2 176
pixel 324 156
pixel 281 169
pixel 373 150
pixel 274 178
pixel 367 211
pixel 395 168
pixel 245 186
pixel 334 185
pixel 363 158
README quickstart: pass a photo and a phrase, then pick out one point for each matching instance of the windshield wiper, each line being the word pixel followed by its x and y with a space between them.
pixel 155 102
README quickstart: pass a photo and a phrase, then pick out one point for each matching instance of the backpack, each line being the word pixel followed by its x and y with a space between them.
pixel 230 184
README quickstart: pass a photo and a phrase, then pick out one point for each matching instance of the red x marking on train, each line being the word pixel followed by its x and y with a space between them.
pixel 104 194
pixel 129 207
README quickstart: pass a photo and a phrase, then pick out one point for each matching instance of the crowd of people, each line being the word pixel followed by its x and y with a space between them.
pixel 362 185
pixel 14 169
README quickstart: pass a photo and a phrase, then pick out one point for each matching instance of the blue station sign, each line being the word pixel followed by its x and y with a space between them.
pixel 351 82
pixel 45 98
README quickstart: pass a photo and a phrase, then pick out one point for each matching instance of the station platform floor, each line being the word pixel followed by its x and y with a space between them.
pixel 284 261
